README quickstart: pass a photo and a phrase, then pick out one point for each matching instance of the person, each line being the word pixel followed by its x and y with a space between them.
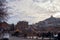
pixel 55 37
pixel 58 36
pixel 5 36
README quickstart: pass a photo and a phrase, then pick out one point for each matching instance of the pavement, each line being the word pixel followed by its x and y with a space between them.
pixel 21 38
pixel 17 38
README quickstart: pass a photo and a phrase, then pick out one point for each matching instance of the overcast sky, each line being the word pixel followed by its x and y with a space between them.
pixel 32 10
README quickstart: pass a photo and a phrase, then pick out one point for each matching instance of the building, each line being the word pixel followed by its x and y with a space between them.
pixel 52 22
pixel 4 25
pixel 22 25
pixel 49 24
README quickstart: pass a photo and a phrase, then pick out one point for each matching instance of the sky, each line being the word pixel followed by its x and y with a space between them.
pixel 32 11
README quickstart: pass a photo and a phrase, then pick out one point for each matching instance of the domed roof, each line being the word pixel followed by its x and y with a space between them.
pixel 51 19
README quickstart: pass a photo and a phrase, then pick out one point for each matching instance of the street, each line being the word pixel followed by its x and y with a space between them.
pixel 21 38
pixel 17 38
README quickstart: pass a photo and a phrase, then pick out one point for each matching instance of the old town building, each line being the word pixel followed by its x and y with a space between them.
pixel 22 25
pixel 4 25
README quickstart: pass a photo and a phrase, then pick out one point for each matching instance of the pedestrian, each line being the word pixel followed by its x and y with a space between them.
pixel 6 36
pixel 55 36
pixel 58 36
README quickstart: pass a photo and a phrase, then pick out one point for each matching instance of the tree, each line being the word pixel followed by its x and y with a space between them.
pixel 3 11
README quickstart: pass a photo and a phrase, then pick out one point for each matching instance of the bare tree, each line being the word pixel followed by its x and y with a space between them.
pixel 3 11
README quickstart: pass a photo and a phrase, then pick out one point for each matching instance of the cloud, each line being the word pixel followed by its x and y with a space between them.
pixel 41 1
pixel 31 10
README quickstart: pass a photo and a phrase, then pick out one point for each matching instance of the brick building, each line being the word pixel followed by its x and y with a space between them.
pixel 22 25
pixel 4 25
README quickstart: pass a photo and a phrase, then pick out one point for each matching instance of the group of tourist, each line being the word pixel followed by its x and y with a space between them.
pixel 55 36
